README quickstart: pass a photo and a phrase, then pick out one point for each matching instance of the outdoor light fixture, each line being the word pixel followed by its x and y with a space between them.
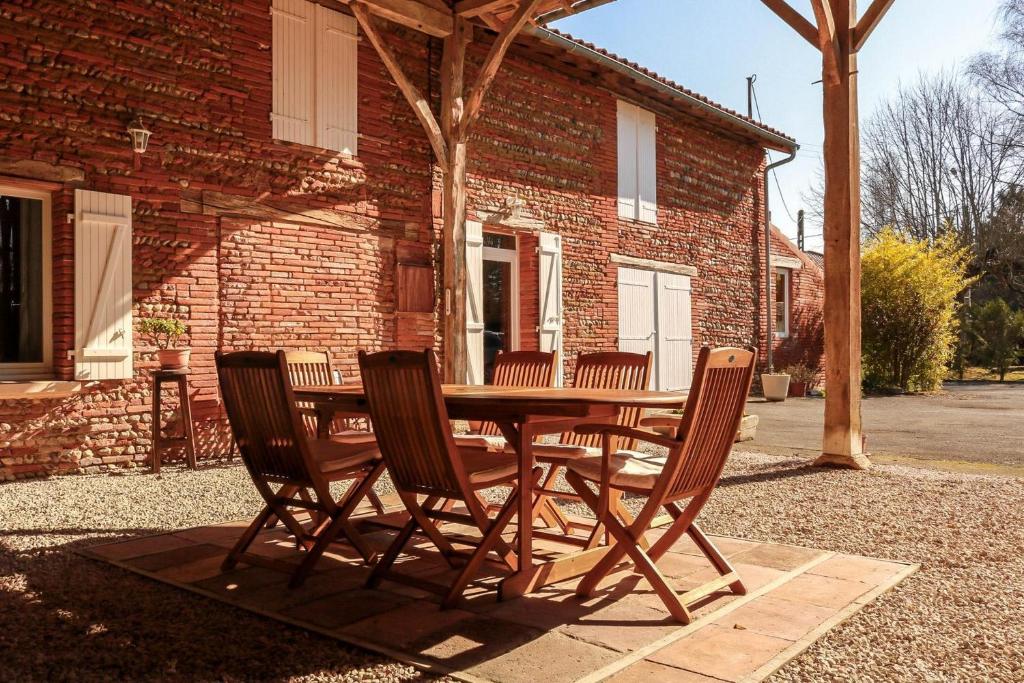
pixel 140 135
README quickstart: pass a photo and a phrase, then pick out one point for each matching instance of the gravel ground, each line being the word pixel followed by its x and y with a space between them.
pixel 63 617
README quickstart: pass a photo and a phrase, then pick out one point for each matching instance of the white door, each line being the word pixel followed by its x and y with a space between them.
pixel 550 327
pixel 675 333
pixel 474 302
pixel 655 315
pixel 637 330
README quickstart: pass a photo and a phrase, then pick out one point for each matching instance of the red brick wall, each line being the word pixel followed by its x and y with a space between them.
pixel 73 74
pixel 806 342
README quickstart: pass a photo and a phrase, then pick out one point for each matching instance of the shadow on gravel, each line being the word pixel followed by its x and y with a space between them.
pixel 66 617
pixel 772 473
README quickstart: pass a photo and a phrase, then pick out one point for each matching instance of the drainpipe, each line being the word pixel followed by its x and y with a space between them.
pixel 768 256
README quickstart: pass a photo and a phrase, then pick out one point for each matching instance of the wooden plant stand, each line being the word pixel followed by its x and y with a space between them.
pixel 179 377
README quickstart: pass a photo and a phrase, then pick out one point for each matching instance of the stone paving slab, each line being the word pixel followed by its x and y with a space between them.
pixel 622 633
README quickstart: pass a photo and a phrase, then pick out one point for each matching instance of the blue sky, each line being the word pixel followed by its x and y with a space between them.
pixel 711 46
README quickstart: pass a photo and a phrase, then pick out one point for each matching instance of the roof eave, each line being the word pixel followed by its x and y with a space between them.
pixel 766 137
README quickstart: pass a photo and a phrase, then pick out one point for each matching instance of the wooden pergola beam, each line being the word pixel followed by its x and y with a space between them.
pixel 796 21
pixel 419 103
pixel 489 69
pixel 453 231
pixel 868 22
pixel 828 39
pixel 412 14
pixel 475 8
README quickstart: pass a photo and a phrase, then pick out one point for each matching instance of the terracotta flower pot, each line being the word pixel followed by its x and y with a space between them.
pixel 797 389
pixel 173 359
pixel 776 387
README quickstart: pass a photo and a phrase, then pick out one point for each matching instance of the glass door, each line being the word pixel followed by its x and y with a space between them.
pixel 500 297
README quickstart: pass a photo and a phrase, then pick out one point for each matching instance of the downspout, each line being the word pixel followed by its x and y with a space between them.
pixel 768 258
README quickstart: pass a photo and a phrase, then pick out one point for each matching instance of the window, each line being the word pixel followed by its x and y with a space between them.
pixel 315 73
pixel 637 155
pixel 781 292
pixel 25 292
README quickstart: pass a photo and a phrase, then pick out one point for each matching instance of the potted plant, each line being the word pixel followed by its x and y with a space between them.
pixel 775 385
pixel 165 333
pixel 802 377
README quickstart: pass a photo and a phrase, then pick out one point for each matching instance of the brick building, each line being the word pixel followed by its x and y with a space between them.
pixel 288 198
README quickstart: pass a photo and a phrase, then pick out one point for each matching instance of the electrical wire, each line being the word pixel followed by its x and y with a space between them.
pixel 775 173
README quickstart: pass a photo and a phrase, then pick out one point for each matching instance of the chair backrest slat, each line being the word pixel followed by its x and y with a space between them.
pixel 403 391
pixel 261 409
pixel 309 368
pixel 520 369
pixel 712 415
pixel 611 370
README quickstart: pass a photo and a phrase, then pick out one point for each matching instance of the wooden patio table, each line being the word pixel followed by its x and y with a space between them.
pixel 522 414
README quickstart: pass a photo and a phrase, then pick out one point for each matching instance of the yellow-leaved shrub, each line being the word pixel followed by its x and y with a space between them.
pixel 909 291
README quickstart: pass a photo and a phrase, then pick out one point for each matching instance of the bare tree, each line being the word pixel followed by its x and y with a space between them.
pixel 1001 73
pixel 936 158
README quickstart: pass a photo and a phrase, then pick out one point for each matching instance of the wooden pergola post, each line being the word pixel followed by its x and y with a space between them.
pixel 839 35
pixel 460 109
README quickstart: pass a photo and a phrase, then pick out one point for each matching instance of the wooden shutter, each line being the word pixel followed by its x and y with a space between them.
pixel 627 156
pixel 675 333
pixel 637 330
pixel 646 166
pixel 103 285
pixel 337 76
pixel 474 302
pixel 293 70
pixel 550 267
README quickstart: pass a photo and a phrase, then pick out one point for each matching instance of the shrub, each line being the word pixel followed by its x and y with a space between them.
pixel 164 332
pixel 909 309
pixel 997 333
pixel 802 373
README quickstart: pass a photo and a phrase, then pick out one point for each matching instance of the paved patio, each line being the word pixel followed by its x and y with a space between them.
pixel 795 595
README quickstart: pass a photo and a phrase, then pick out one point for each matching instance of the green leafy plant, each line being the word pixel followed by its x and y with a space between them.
pixel 909 309
pixel 165 332
pixel 998 334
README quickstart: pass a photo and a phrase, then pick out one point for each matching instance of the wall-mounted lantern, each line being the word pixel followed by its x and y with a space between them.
pixel 139 135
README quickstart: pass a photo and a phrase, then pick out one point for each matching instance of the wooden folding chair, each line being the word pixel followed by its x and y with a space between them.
pixel 313 368
pixel 272 439
pixel 403 392
pixel 691 470
pixel 605 370
pixel 512 369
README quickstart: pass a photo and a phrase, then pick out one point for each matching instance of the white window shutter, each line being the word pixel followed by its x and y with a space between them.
pixel 627 158
pixel 474 302
pixel 103 285
pixel 647 166
pixel 337 77
pixel 550 267
pixel 293 70
pixel 675 333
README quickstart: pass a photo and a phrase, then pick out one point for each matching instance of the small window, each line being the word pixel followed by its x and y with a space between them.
pixel 637 161
pixel 25 293
pixel 781 292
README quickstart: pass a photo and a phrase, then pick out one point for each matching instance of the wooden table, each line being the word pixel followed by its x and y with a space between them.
pixel 522 414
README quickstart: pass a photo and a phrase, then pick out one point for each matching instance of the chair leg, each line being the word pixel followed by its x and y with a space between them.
pixel 588 584
pixel 375 501
pixel 546 502
pixel 492 535
pixel 716 558
pixel 386 561
pixel 628 542
pixel 424 523
pixel 248 536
